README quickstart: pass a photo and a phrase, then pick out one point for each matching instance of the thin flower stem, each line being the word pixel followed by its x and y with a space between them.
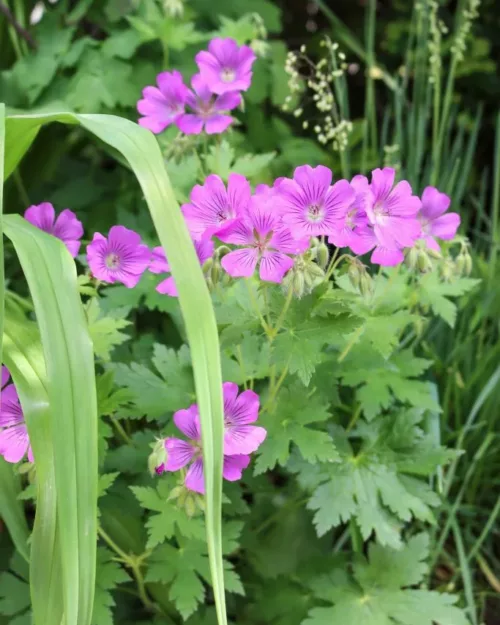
pixel 334 263
pixel 255 304
pixel 275 387
pixel 134 563
pixel 354 419
pixel 120 430
pixel 241 363
pixel 279 324
pixel 351 343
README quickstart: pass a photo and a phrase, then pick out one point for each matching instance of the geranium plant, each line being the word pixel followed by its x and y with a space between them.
pixel 301 304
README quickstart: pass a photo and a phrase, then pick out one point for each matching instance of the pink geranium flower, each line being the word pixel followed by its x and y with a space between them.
pixel 240 412
pixel 14 439
pixel 181 453
pixel 265 240
pixel 432 219
pixel 119 258
pixel 207 109
pixel 392 218
pixel 240 438
pixel 159 264
pixel 66 227
pixel 213 208
pixel 226 66
pixel 349 229
pixel 162 106
pixel 310 205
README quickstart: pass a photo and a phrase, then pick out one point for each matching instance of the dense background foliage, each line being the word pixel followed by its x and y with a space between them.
pixel 96 56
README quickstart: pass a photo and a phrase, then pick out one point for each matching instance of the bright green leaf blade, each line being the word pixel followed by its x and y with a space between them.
pixel 11 509
pixel 142 152
pixel 24 357
pixel 51 276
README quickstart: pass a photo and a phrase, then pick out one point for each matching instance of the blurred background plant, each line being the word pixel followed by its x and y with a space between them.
pixel 352 85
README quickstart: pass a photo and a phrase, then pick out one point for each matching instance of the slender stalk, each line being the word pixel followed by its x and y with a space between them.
pixel 356 538
pixel 495 208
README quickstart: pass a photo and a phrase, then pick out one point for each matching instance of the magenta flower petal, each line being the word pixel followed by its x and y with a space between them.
pixel 119 258
pixel 274 265
pixel 241 263
pixel 434 221
pixel 243 439
pixel 309 205
pixel 234 466
pixel 5 376
pixel 434 203
pixel 213 208
pixel 42 216
pixel 187 421
pixel 190 124
pixel 158 262
pixel 179 454
pixel 195 480
pixel 11 412
pixel 226 66
pixel 239 412
pixel 387 257
pixel 168 287
pixel 66 227
pixel 217 124
pixel 446 226
pixel 161 107
pixel 14 443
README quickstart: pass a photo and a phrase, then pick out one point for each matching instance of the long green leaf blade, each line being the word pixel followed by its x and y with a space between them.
pixel 24 357
pixel 11 509
pixel 51 276
pixel 142 152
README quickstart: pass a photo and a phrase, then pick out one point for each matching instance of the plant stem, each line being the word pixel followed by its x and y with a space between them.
pixel 495 202
pixel 356 538
pixel 274 331
pixel 134 563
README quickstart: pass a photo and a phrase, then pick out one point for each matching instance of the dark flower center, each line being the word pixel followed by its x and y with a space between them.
pixel 112 261
pixel 315 212
pixel 227 74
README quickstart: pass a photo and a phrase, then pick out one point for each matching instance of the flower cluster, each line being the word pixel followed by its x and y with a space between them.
pixel 241 438
pixel 273 228
pixel 224 71
pixel 14 439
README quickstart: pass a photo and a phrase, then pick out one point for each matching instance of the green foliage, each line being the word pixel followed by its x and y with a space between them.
pixel 287 423
pixel 109 575
pixel 105 330
pixel 379 591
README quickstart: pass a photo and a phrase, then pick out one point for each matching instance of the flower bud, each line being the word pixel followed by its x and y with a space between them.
pixel 215 271
pixel 207 266
pixel 411 258
pixel 447 269
pixel 354 275
pixel 298 284
pixel 365 284
pixel 157 458
pixel 435 254
pixel 467 264
pixel 187 499
pixel 460 264
pixel 323 255
pixel 423 262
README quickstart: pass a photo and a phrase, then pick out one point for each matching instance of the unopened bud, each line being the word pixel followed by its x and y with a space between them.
pixel 423 262
pixel 186 499
pixel 354 275
pixel 298 284
pixel 435 254
pixel 447 269
pixel 411 258
pixel 157 458
pixel 323 255
pixel 215 271
pixel 365 284
pixel 460 264
pixel 467 264
pixel 207 266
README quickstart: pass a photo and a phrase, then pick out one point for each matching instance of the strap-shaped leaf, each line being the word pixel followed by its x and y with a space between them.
pixel 141 150
pixel 67 348
pixel 24 357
